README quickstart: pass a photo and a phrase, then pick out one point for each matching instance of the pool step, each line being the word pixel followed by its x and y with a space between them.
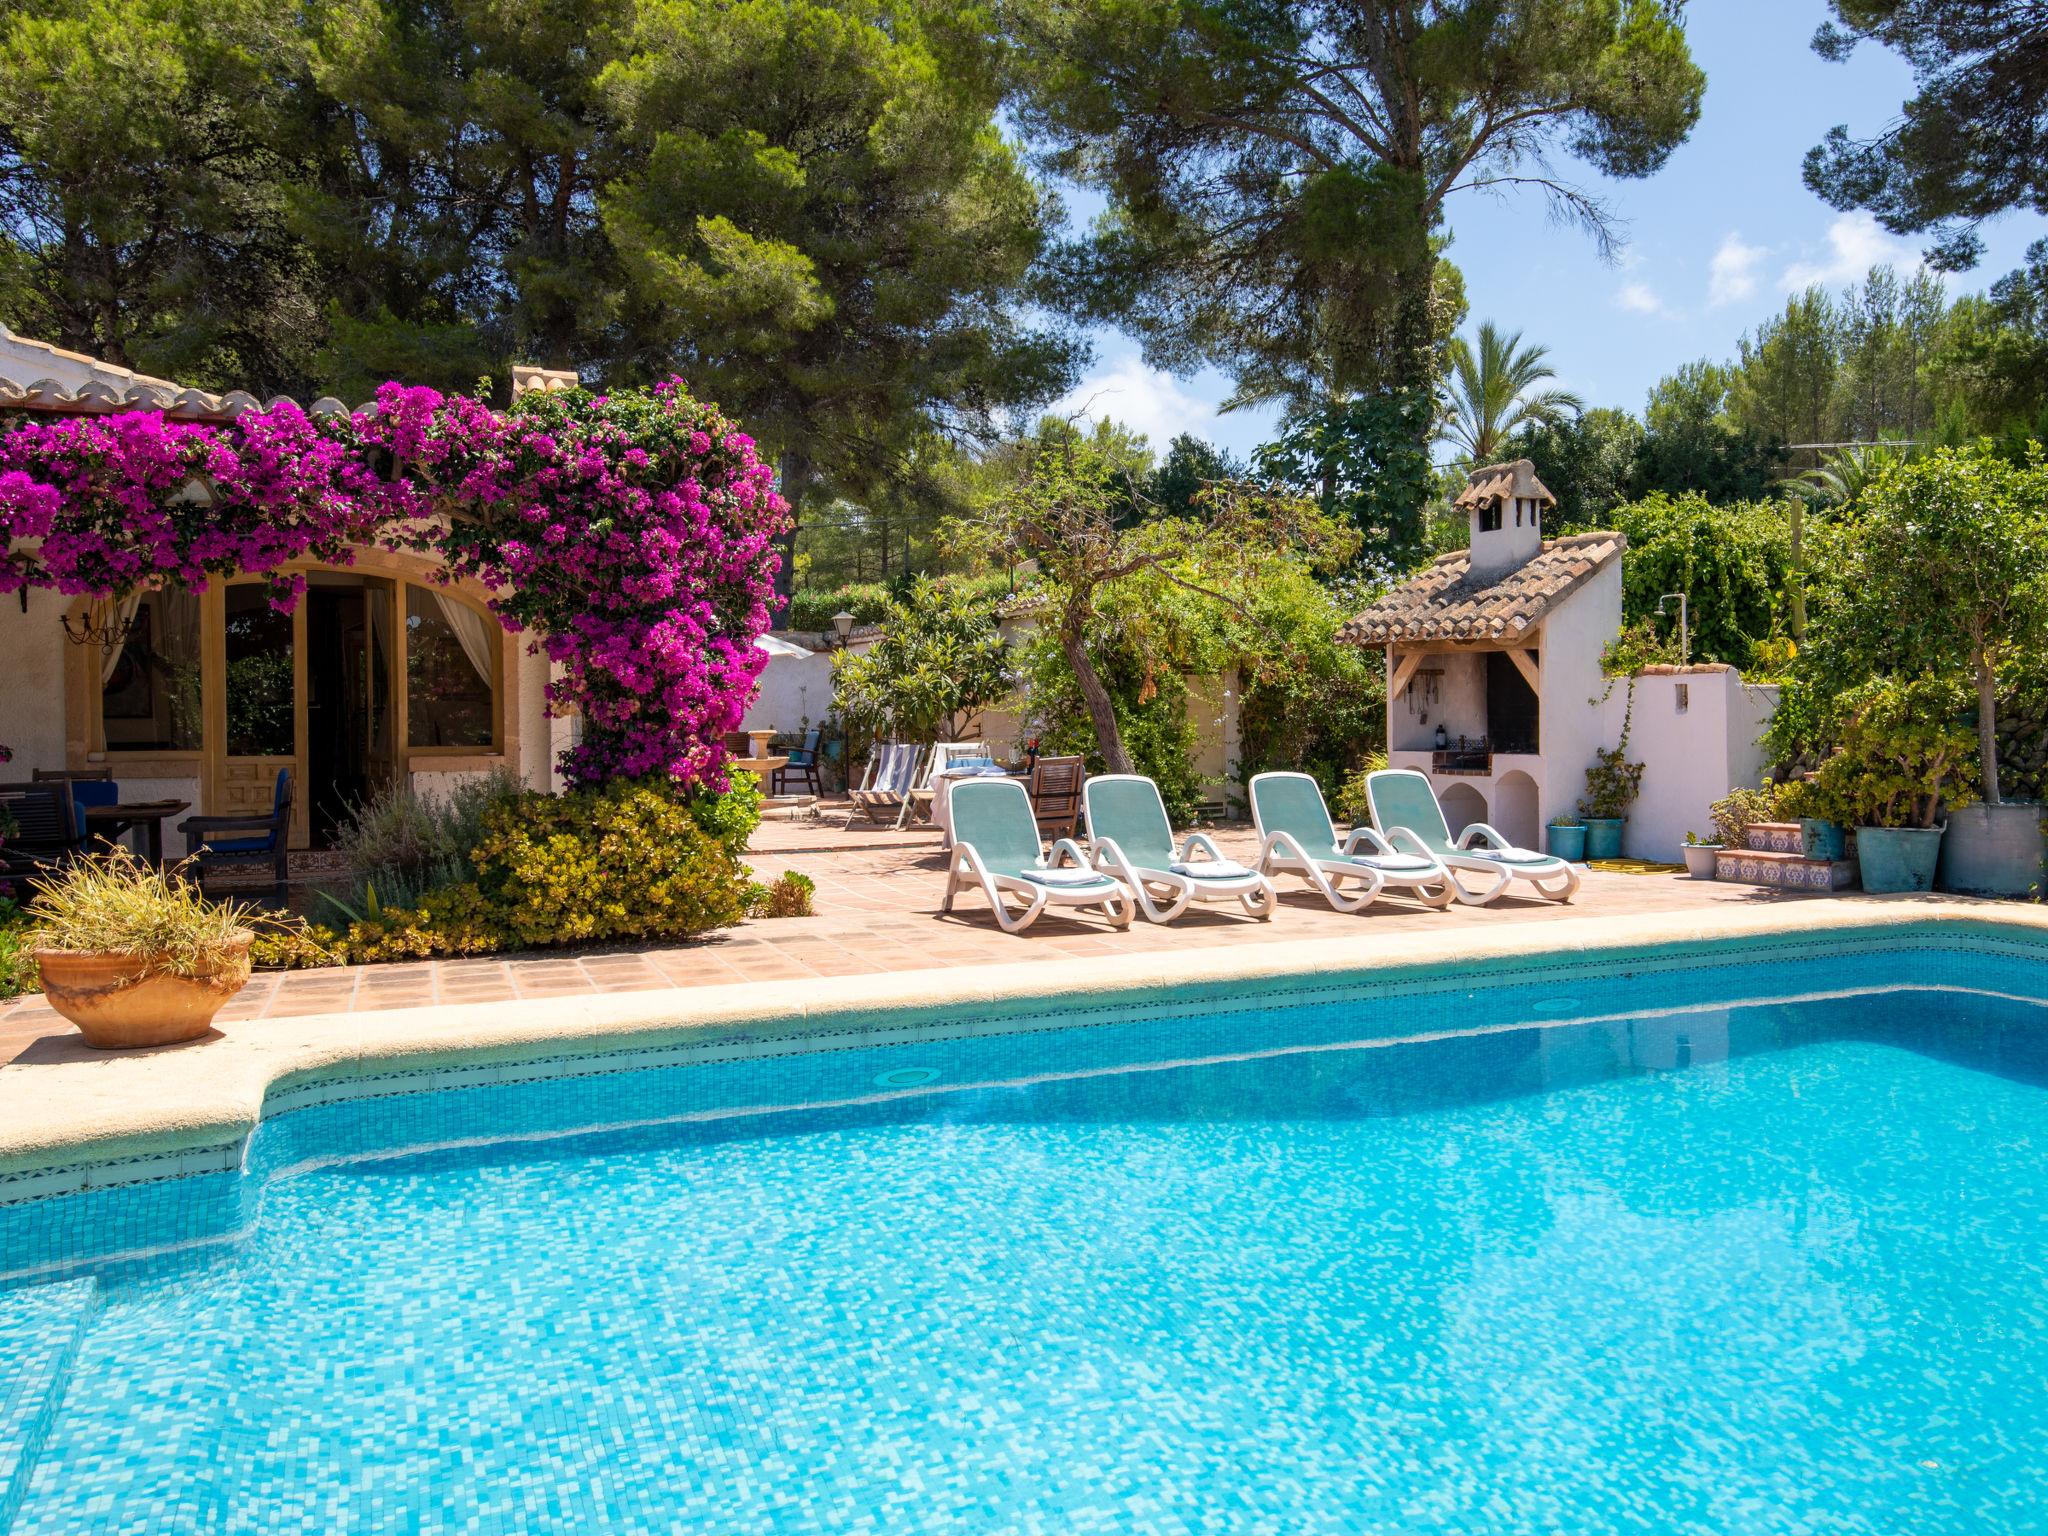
pixel 41 1327
pixel 1790 871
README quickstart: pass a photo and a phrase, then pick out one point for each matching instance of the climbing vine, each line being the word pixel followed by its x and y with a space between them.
pixel 630 535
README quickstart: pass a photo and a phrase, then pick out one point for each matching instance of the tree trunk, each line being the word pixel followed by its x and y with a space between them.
pixel 1108 735
pixel 1987 725
pixel 795 475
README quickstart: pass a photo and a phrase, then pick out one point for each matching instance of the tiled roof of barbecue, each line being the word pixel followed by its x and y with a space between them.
pixel 1445 603
pixel 1497 482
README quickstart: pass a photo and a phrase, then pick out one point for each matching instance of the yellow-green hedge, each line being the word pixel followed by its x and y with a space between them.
pixel 632 860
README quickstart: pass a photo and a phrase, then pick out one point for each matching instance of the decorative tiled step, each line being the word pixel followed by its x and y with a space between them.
pixel 1792 871
pixel 1813 840
pixel 40 1329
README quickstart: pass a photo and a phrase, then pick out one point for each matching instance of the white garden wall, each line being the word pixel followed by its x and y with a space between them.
pixel 1695 731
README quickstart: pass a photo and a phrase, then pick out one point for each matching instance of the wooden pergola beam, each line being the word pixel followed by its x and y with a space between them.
pixel 1532 673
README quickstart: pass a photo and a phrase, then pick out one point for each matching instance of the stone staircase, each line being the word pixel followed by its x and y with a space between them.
pixel 1781 853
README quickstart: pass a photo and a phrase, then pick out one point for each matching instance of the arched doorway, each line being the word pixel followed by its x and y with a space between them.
pixel 1515 815
pixel 1462 805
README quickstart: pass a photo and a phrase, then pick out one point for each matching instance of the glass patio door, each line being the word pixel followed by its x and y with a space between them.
pixel 257 712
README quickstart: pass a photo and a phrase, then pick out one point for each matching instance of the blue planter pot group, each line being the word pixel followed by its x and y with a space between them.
pixel 1568 843
pixel 1603 837
pixel 1895 859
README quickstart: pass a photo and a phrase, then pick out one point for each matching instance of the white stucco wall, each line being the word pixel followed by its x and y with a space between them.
pixel 1690 758
pixel 1574 721
pixel 793 693
pixel 32 683
pixel 1459 705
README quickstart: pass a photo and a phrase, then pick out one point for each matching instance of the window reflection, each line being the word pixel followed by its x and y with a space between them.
pixel 259 647
pixel 450 651
pixel 149 687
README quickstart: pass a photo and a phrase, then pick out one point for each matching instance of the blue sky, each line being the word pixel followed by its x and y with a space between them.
pixel 1716 240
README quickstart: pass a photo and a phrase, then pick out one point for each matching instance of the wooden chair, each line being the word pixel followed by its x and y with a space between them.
pixel 1056 784
pixel 803 763
pixel 221 843
pixel 44 834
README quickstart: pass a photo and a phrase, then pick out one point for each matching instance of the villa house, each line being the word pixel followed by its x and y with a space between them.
pixel 1495 688
pixel 379 674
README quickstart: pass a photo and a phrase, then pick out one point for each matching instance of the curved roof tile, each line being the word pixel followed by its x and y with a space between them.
pixel 1444 603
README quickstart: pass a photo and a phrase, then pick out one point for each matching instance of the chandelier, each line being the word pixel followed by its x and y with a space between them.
pixel 99 626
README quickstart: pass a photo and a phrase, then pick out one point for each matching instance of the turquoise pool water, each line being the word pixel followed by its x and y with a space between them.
pixel 1772 1268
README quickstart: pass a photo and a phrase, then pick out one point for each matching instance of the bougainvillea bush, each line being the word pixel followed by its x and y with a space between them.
pixel 630 534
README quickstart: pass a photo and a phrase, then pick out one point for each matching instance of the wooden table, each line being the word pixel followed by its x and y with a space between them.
pixel 113 821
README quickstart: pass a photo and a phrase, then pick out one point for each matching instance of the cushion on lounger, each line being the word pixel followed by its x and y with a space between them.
pixel 1209 869
pixel 1063 879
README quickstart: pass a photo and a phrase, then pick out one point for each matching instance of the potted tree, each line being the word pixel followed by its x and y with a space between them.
pixel 1568 837
pixel 1949 574
pixel 134 956
pixel 1900 756
pixel 1612 784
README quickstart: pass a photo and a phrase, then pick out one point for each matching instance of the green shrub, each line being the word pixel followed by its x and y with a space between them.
pixel 634 860
pixel 17 965
pixel 730 818
pixel 401 844
pixel 1350 804
pixel 1738 810
pixel 296 947
pixel 789 896
pixel 1905 750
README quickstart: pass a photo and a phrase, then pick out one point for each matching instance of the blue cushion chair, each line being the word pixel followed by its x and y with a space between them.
pixel 221 843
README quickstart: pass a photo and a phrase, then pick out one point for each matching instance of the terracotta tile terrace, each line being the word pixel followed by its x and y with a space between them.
pixel 878 893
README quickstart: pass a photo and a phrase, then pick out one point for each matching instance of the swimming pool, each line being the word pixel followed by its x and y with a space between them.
pixel 1740 1248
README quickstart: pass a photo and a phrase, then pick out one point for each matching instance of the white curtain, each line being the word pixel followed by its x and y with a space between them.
pixel 120 612
pixel 471 629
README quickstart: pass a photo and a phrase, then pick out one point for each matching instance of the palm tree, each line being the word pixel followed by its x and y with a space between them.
pixel 1494 394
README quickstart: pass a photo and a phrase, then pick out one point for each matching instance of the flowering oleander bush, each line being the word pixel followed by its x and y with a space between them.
pixel 630 534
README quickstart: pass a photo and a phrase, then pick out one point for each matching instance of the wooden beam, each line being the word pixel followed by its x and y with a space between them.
pixel 1405 668
pixel 1525 663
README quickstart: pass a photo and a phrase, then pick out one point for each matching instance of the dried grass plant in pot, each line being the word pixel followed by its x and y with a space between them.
pixel 133 955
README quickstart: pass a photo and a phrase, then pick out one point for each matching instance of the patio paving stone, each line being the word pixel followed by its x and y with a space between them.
pixel 878 895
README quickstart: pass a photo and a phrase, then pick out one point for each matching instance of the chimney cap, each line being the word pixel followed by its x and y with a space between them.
pixel 1497 482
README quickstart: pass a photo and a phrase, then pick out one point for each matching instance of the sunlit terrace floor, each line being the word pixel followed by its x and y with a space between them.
pixel 878 911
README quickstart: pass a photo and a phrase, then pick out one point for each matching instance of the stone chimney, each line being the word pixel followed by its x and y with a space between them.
pixel 1503 504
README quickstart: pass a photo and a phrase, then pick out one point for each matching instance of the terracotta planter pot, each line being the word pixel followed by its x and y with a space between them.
pixel 116 1007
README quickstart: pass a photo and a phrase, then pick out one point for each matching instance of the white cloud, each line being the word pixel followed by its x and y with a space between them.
pixel 1640 299
pixel 1733 275
pixel 1142 398
pixel 1855 245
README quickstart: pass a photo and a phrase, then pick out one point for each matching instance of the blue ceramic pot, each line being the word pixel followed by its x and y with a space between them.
pixel 1568 843
pixel 1897 859
pixel 1603 836
pixel 1822 839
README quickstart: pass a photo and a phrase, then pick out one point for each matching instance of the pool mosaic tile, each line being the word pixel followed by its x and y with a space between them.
pixel 1671 1262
